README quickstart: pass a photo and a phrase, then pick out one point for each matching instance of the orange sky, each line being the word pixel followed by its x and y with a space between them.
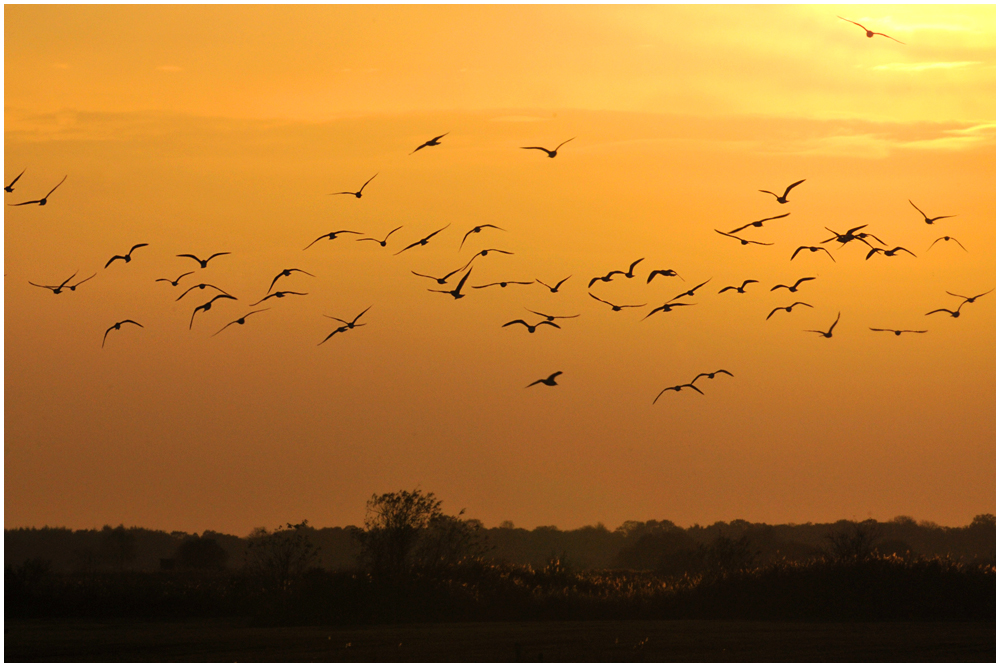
pixel 205 129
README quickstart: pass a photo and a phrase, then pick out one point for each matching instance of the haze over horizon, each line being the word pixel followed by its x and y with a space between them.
pixel 203 129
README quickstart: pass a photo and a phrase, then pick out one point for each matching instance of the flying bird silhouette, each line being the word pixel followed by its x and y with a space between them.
pixel 44 200
pixel 829 332
pixel 173 282
pixel 116 326
pixel 691 291
pixel 759 223
pixel 208 306
pixel 795 287
pixel 869 33
pixel 531 327
pixel 741 289
pixel 353 323
pixel 424 240
pixel 476 230
pixel 783 198
pixel 383 241
pixel 670 273
pixel 10 186
pixel 555 289
pixel 337 331
pixel 201 286
pixel 503 284
pixel 844 238
pixel 444 279
pixel 56 289
pixel 742 240
pixel 968 299
pixel 550 381
pixel 953 313
pixel 204 262
pixel 787 309
pixel 331 236
pixel 241 320
pixel 284 274
pixel 551 153
pixel 948 238
pixel 898 331
pixel 358 193
pixel 677 388
pixel 710 376
pixel 278 295
pixel 604 279
pixel 614 307
pixel 127 256
pixel 433 142
pixel 666 308
pixel 929 221
pixel 72 288
pixel 631 268
pixel 457 292
pixel 887 253
pixel 552 317
pixel 810 248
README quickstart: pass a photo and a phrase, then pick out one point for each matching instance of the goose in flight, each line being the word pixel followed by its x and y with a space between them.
pixel 383 241
pixel 278 295
pixel 968 299
pixel 353 323
pixel 457 292
pixel 201 286
pixel 241 320
pixel 552 317
pixel 677 388
pixel 551 153
pixel 829 332
pixel 56 289
pixel 285 273
pixel 72 288
pixel 531 327
pixel 331 236
pixel 711 376
pixel 10 186
pixel 116 326
pixel 358 193
pixel 476 230
pixel 759 223
pixel 44 200
pixel 615 308
pixel 887 253
pixel 336 331
pixel 550 381
pixel 740 290
pixel 929 221
pixel 898 331
pixel 173 282
pixel 810 248
pixel 208 306
pixel 424 240
pixel 949 238
pixel 555 289
pixel 127 256
pixel 433 142
pixel 869 33
pixel 741 240
pixel 670 273
pixel 787 309
pixel 204 262
pixel 783 198
pixel 795 287
pixel 667 307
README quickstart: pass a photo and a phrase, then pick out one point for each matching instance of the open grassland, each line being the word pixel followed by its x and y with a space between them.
pixel 563 641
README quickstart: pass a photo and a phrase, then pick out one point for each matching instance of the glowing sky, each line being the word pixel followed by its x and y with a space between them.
pixel 203 129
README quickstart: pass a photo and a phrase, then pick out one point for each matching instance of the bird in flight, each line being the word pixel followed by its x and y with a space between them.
pixel 424 240
pixel 278 295
pixel 929 221
pixel 531 327
pixel 795 287
pixel 710 376
pixel 173 282
pixel 846 237
pixel 204 262
pixel 555 289
pixel 887 253
pixel 127 256
pixel 552 317
pixel 353 323
pixel 953 313
pixel 503 284
pixel 677 388
pixel 968 299
pixel 44 200
pixel 631 268
pixel 787 309
pixel 10 186
pixel 829 332
pixel 691 291
pixel 741 289
pixel 241 320
pixel 285 273
pixel 358 193
pixel 201 286
pixel 58 288
pixel 615 308
pixel 898 331
pixel 783 198
pixel 331 236
pixel 72 288
pixel 551 153
pixel 337 331
pixel 457 292
pixel 476 230
pixel 116 326
pixel 759 223
pixel 444 279
pixel 550 381
pixel 670 273
pixel 208 306
pixel 869 33
pixel 433 142
pixel 383 241
pixel 810 248
pixel 949 238
pixel 603 279
pixel 667 307
pixel 743 241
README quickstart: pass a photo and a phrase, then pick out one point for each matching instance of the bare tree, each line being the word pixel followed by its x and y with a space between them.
pixel 278 557
pixel 855 541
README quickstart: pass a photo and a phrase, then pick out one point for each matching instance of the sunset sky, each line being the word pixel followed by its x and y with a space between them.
pixel 204 129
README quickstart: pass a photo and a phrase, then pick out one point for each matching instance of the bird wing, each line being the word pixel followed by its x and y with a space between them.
pixel 531 148
pixel 466 236
pixel 563 144
pixel 789 188
pixel 11 184
pixel 798 250
pixel 358 316
pixel 873 251
pixel 432 234
pixel 591 283
pixel 550 323
pixel 660 394
pixel 458 290
pixel 828 253
pixel 800 303
pixel 84 280
pixel 914 205
pixel 368 181
pixel 769 192
pixel 516 322
pixel 834 323
pixel 729 235
pixel 54 189
pixel 132 322
pixel 724 289
pixel 137 245
pixel 105 339
pixel 942 310
pixel 534 383
pixel 199 261
pixel 769 316
pixel 747 282
pixel 113 259
pixel 33 201
pixel 854 22
pixel 69 279
pixel 802 280
pixel 885 35
pixel 602 300
pixel 415 243
pixel 694 387
pixel 631 267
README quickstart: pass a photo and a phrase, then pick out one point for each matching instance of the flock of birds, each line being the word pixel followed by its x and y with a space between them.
pixel 852 235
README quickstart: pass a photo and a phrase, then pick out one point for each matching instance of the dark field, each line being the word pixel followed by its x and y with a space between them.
pixel 556 641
